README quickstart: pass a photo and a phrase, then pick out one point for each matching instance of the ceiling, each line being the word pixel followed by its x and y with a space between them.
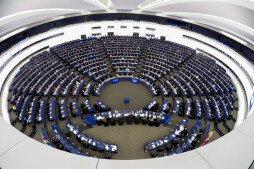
pixel 234 16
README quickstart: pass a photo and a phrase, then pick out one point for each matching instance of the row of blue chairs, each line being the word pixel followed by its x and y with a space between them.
pixel 216 108
pixel 189 142
pixel 65 142
pixel 168 141
pixel 90 142
pixel 130 116
pixel 123 52
pixel 86 56
pixel 99 87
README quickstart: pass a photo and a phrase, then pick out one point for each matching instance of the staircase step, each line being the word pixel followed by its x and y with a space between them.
pixel 141 59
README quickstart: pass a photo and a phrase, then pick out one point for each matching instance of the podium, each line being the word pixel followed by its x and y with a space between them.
pixel 126 100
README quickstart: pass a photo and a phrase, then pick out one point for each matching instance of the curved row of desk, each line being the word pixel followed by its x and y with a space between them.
pixel 18 150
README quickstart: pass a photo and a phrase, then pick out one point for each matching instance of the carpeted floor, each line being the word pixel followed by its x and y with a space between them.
pixel 113 95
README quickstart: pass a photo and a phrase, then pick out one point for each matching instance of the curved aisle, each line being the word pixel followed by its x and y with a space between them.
pixel 19 151
pixel 9 136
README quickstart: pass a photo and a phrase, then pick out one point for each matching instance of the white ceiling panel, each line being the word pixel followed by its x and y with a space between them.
pixel 146 2
pixel 15 14
pixel 152 4
pixel 105 2
pixel 126 4
pixel 9 7
pixel 231 26
pixel 230 11
pixel 18 21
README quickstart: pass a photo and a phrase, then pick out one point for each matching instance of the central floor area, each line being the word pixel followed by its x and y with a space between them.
pixel 113 95
pixel 129 138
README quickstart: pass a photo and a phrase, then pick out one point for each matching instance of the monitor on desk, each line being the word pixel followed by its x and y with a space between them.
pixel 115 80
pixel 134 80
